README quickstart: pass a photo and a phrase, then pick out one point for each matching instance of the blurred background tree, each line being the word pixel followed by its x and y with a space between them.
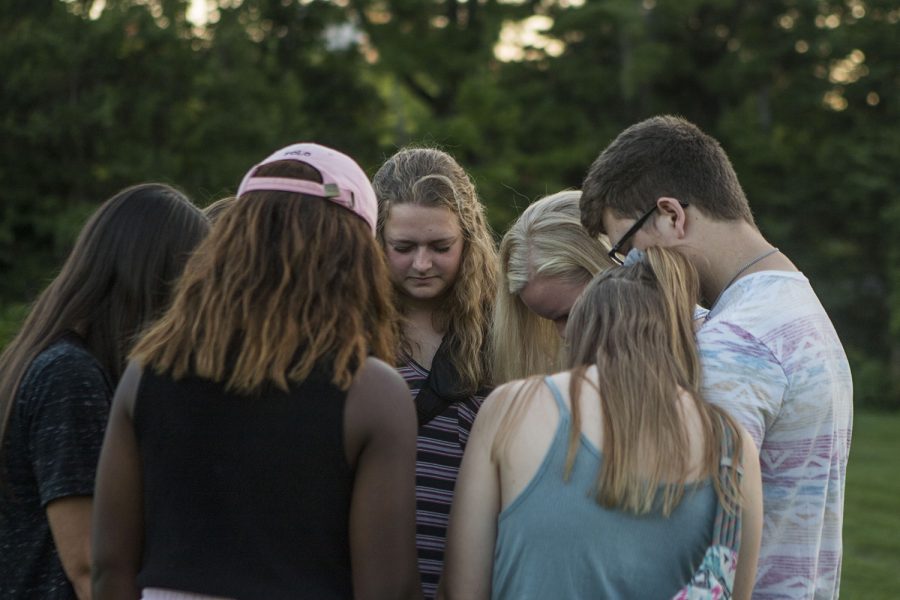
pixel 803 94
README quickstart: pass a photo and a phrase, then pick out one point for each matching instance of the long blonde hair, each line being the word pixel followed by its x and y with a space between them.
pixel 635 324
pixel 546 240
pixel 430 177
pixel 283 283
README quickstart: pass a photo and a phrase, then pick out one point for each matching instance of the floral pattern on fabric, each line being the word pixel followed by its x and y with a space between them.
pixel 714 580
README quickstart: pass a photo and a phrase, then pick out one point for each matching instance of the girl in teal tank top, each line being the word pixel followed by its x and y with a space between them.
pixel 612 479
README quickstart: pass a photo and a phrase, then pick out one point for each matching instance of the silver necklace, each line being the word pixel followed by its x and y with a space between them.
pixel 765 254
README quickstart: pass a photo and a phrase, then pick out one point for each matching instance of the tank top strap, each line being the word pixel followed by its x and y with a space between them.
pixel 727 525
pixel 557 395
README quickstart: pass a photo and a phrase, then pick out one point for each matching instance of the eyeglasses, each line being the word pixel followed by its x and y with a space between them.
pixel 614 252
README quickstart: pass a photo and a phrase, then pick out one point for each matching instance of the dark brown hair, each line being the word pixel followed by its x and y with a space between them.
pixel 284 283
pixel 662 156
pixel 115 281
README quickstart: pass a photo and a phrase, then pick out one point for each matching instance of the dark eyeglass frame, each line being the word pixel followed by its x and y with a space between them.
pixel 613 254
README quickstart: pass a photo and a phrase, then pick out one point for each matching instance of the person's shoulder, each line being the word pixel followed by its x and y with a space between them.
pixel 377 369
pixel 506 396
pixel 65 356
pixel 65 350
pixel 763 308
pixel 511 389
pixel 378 400
pixel 65 383
pixel 376 379
pixel 563 379
pixel 766 297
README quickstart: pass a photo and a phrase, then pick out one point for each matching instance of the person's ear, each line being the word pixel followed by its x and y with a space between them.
pixel 674 216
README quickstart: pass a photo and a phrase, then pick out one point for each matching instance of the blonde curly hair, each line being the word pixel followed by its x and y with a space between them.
pixel 432 178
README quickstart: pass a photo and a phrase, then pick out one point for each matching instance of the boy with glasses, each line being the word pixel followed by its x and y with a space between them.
pixel 770 353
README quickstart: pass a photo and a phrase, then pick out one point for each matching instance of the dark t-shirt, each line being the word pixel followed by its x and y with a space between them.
pixel 51 449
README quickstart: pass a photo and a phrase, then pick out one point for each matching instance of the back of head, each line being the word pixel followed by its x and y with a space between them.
pixel 290 279
pixel 663 156
pixel 432 178
pixel 635 324
pixel 546 240
pixel 639 313
pixel 215 210
pixel 115 282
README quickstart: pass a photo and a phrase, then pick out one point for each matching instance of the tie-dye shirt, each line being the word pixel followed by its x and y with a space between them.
pixel 772 358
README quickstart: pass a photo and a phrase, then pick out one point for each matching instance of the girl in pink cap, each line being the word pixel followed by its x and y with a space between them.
pixel 443 264
pixel 260 423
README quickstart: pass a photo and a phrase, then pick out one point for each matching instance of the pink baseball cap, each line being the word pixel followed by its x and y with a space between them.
pixel 343 181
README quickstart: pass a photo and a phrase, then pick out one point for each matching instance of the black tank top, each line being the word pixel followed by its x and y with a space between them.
pixel 244 496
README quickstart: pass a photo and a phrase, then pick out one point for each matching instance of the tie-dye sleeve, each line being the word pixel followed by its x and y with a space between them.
pixel 741 375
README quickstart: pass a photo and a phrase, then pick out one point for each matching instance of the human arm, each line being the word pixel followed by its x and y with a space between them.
pixel 381 428
pixel 66 399
pixel 741 375
pixel 118 505
pixel 751 520
pixel 70 525
pixel 472 533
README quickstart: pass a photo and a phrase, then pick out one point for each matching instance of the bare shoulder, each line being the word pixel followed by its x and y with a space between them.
pixel 378 373
pixel 499 399
pixel 511 398
pixel 561 380
pixel 378 386
pixel 379 409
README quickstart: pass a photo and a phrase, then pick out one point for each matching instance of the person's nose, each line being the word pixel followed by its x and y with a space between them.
pixel 422 260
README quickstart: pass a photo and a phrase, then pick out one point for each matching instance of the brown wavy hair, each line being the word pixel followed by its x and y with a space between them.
pixel 430 177
pixel 115 282
pixel 635 323
pixel 284 283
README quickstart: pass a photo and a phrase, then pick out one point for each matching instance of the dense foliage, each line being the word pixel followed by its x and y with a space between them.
pixel 803 94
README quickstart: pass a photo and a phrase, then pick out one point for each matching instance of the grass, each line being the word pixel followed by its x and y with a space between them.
pixel 871 567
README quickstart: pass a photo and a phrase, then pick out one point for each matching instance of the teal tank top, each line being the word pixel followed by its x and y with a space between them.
pixel 555 541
